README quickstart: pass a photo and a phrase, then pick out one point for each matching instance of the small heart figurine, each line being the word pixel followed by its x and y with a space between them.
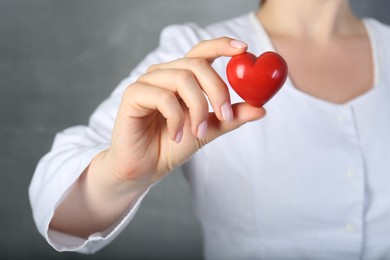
pixel 257 79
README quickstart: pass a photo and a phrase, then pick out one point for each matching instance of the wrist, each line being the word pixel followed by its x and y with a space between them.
pixel 104 176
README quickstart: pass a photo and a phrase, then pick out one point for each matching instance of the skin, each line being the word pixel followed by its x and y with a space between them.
pixel 163 117
pixel 162 120
pixel 324 44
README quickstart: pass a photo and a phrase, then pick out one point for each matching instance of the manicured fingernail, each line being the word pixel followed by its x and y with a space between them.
pixel 238 44
pixel 179 136
pixel 202 130
pixel 227 112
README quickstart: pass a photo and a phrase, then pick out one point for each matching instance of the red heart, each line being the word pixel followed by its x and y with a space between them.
pixel 256 80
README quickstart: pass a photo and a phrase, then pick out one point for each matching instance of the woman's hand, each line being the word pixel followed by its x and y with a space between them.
pixel 163 118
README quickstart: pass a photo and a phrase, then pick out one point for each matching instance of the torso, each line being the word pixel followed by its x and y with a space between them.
pixel 310 179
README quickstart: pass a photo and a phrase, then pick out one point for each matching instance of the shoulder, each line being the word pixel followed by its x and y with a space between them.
pixel 380 34
pixel 380 30
pixel 185 36
pixel 234 27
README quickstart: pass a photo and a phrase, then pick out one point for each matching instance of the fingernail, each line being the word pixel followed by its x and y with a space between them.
pixel 202 130
pixel 238 44
pixel 227 112
pixel 179 136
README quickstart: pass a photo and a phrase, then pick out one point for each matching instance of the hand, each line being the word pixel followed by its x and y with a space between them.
pixel 163 117
pixel 162 120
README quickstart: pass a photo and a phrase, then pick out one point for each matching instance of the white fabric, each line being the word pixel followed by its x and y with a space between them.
pixel 310 181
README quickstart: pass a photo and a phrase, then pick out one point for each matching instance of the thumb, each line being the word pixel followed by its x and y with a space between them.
pixel 242 114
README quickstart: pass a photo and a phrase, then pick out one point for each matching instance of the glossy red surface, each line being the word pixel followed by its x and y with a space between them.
pixel 257 79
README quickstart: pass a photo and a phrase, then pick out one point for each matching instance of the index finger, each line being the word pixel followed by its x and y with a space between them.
pixel 214 48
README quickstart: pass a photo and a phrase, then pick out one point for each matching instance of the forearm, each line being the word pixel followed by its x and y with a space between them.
pixel 95 202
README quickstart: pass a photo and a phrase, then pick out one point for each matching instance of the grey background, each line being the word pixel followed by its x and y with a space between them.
pixel 58 60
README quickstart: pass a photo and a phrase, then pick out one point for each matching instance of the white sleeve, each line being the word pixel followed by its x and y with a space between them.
pixel 74 148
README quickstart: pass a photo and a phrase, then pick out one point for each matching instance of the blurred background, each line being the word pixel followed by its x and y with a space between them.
pixel 58 60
